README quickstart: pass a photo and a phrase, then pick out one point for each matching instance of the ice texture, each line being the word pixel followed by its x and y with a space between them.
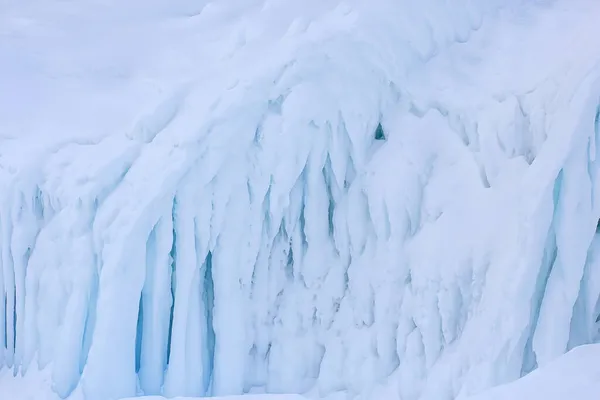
pixel 393 199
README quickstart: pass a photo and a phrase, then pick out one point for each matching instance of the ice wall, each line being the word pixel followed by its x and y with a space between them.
pixel 376 203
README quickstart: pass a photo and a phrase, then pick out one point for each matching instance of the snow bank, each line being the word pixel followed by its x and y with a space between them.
pixel 35 385
pixel 201 202
pixel 571 376
pixel 245 397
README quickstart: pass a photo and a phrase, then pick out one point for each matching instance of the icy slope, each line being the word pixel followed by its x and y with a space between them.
pixel 194 198
pixel 572 376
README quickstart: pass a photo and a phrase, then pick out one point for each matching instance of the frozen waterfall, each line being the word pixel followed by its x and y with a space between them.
pixel 384 198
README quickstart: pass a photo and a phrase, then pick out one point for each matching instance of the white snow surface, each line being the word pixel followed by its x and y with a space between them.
pixel 575 375
pixel 261 396
pixel 193 202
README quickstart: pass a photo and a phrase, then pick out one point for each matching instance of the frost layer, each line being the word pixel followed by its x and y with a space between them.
pixel 383 199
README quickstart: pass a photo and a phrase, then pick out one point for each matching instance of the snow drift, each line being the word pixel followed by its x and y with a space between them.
pixel 384 199
pixel 574 375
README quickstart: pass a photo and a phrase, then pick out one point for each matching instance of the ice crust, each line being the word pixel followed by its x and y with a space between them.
pixel 193 200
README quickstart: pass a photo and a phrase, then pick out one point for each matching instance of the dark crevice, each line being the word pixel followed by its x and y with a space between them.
pixel 138 335
pixel 379 133
pixel 289 267
pixel 258 135
pixel 327 176
pixel 302 218
pixel 529 358
pixel 283 237
pixel 266 206
pixel 14 318
pixel 209 301
pixel 173 257
pixel 302 228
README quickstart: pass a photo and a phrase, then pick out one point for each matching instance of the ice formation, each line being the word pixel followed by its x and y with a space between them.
pixel 383 198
